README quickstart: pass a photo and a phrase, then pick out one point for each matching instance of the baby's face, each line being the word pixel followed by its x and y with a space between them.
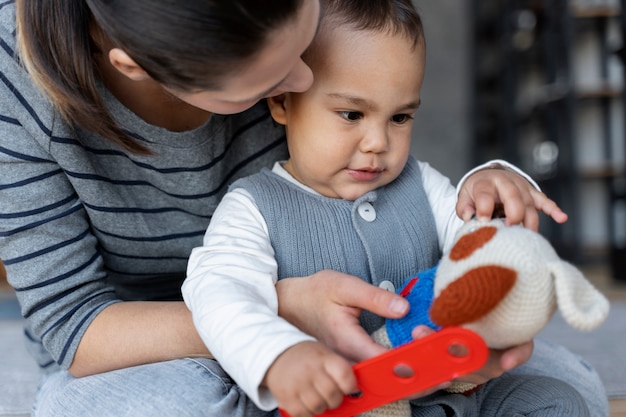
pixel 350 132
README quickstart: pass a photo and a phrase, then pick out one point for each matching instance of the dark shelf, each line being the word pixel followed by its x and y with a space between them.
pixel 525 96
pixel 594 12
pixel 602 172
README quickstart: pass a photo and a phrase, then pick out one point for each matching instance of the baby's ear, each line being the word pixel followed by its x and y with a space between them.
pixel 580 303
pixel 278 108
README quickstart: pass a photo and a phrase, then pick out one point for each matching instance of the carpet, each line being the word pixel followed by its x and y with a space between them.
pixel 604 348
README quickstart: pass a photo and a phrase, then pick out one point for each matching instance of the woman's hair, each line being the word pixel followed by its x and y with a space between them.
pixel 186 45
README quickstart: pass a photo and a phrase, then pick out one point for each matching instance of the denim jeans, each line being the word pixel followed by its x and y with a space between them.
pixel 199 387
pixel 177 388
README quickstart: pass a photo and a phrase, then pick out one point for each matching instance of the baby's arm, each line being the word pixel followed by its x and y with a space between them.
pixel 309 378
pixel 230 290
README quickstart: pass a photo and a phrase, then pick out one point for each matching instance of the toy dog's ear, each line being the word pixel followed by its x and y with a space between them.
pixel 580 303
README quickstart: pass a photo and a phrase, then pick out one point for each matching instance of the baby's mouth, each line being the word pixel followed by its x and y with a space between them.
pixel 364 174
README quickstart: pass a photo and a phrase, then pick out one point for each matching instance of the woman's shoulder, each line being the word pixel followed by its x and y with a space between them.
pixel 7 16
pixel 7 26
pixel 21 102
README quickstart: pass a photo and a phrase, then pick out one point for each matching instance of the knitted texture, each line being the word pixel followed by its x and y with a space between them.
pixel 504 283
pixel 473 295
pixel 418 290
pixel 310 232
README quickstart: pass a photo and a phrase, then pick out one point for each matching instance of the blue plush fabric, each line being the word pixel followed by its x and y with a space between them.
pixel 420 297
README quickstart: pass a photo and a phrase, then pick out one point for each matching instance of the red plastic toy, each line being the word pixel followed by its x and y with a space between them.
pixel 440 357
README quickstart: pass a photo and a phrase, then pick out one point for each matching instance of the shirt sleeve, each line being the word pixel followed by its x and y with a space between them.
pixel 442 198
pixel 230 291
pixel 499 164
pixel 46 242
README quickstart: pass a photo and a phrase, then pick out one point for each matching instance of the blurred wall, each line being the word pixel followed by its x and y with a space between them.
pixel 441 133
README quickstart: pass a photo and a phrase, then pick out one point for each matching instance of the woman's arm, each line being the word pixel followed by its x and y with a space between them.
pixel 133 333
pixel 53 262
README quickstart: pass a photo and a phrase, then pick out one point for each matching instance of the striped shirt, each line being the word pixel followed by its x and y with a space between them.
pixel 84 224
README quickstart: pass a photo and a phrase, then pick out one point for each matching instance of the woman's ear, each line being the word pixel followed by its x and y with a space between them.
pixel 278 108
pixel 126 65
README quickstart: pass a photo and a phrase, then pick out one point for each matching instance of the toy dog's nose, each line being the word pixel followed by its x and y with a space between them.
pixel 472 296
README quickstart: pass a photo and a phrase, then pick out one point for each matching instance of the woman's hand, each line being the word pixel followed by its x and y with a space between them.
pixel 488 190
pixel 499 361
pixel 327 305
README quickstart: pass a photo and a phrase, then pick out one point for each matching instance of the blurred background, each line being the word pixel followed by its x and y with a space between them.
pixel 539 83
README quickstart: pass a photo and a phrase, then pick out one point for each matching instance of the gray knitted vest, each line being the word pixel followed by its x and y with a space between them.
pixel 386 235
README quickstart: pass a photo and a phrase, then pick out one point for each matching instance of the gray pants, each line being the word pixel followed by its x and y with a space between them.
pixel 507 396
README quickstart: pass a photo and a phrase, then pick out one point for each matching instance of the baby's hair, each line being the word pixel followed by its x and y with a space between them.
pixel 189 45
pixel 391 16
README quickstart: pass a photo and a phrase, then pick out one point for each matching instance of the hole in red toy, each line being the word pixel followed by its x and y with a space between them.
pixel 355 395
pixel 458 350
pixel 403 371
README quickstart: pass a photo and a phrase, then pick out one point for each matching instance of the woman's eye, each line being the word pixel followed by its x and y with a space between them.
pixel 350 115
pixel 401 118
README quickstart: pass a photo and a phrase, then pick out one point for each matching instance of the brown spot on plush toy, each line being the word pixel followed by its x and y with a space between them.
pixel 468 244
pixel 473 295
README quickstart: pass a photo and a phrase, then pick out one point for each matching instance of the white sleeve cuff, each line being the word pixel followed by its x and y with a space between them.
pixel 497 164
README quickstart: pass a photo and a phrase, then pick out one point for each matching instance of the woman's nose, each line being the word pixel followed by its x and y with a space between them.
pixel 299 80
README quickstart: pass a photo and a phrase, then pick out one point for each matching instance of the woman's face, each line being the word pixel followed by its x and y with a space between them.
pixel 276 69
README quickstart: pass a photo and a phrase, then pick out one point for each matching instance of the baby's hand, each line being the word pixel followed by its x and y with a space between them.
pixel 309 378
pixel 484 191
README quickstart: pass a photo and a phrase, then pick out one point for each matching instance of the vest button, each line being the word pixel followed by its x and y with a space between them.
pixel 367 212
pixel 388 286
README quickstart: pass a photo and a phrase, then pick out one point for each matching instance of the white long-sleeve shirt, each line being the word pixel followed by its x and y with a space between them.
pixel 230 281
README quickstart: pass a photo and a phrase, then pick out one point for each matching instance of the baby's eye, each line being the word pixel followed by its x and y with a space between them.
pixel 401 118
pixel 351 115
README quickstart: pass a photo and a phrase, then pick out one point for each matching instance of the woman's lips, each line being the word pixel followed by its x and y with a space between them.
pixel 367 174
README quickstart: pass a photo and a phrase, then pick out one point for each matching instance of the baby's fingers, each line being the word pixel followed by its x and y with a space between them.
pixel 340 381
pixel 342 374
pixel 549 208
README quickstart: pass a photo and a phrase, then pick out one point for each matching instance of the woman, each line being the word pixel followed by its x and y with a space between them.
pixel 114 153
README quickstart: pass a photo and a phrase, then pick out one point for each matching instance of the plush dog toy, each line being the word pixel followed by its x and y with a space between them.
pixel 504 283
